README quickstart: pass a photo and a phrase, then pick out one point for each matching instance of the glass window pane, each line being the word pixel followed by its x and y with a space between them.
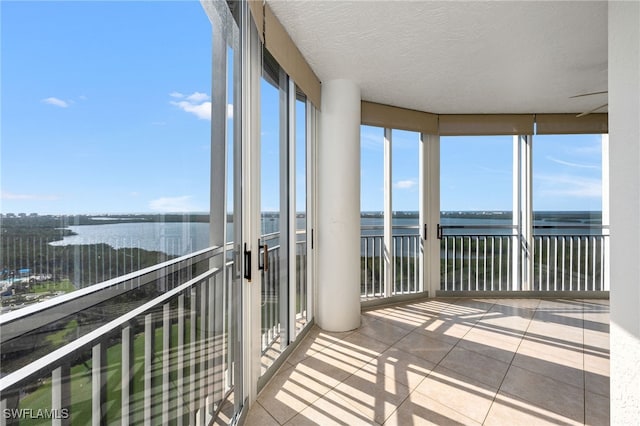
pixel 567 178
pixel 405 171
pixel 372 174
pixel 476 203
pixel 115 175
pixel 476 179
pixel 274 259
pixel 405 200
pixel 301 211
pixel 372 210
pixel 568 237
pixel 106 170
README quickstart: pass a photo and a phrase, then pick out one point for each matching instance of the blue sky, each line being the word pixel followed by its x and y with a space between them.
pixel 476 172
pixel 104 107
pixel 105 110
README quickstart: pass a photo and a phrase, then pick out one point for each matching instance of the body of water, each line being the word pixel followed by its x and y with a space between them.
pixel 180 238
pixel 174 238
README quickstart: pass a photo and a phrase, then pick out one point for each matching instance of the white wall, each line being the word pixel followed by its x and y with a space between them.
pixel 338 242
pixel 624 137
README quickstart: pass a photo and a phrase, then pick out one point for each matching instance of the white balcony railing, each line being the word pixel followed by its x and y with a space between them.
pixel 271 302
pixel 481 258
pixel 476 258
pixel 404 254
pixel 570 262
pixel 158 343
pixel 154 344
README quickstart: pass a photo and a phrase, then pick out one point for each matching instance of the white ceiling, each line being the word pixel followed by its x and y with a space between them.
pixel 458 57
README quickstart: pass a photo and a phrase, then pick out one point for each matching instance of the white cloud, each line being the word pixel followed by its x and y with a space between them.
pixel 202 111
pixel 570 186
pixel 229 111
pixel 172 204
pixel 588 148
pixel 197 104
pixel 406 184
pixel 494 170
pixel 370 140
pixel 571 164
pixel 56 102
pixel 11 196
pixel 197 97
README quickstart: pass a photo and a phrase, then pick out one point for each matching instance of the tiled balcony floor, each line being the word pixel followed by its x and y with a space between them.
pixel 450 361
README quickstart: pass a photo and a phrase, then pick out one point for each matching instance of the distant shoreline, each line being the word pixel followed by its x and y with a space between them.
pixel 35 220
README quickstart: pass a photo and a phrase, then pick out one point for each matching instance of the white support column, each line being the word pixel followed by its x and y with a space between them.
pixel 99 383
pixel 387 252
pixel 311 216
pixel 285 279
pixel 526 208
pixel 218 158
pixel 434 213
pixel 624 156
pixel 423 216
pixel 516 221
pixel 606 215
pixel 61 396
pixel 291 107
pixel 251 221
pixel 338 240
pixel 522 245
pixel 430 211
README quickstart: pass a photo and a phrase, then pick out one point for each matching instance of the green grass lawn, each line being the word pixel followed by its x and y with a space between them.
pixel 81 383
pixel 59 337
pixel 64 286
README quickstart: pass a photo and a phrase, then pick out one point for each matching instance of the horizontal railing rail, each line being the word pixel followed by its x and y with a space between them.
pixel 21 321
pixel 372 266
pixel 444 227
pixel 569 262
pixel 565 258
pixel 404 252
pixel 478 262
pixel 569 257
pixel 35 368
pixel 381 228
pixel 174 355
pixel 576 226
pixel 270 293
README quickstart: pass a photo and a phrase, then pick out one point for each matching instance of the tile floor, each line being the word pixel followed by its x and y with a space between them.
pixel 450 361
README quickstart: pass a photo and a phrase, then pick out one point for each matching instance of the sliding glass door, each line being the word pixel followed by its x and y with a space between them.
pixel 274 217
pixel 302 237
pixel 284 239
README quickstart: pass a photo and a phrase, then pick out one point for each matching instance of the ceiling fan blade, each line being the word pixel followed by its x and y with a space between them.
pixel 589 94
pixel 591 111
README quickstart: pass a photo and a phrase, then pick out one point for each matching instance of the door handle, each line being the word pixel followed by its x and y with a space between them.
pixel 265 257
pixel 247 263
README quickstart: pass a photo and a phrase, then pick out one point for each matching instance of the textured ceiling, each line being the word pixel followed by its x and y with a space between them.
pixel 456 57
